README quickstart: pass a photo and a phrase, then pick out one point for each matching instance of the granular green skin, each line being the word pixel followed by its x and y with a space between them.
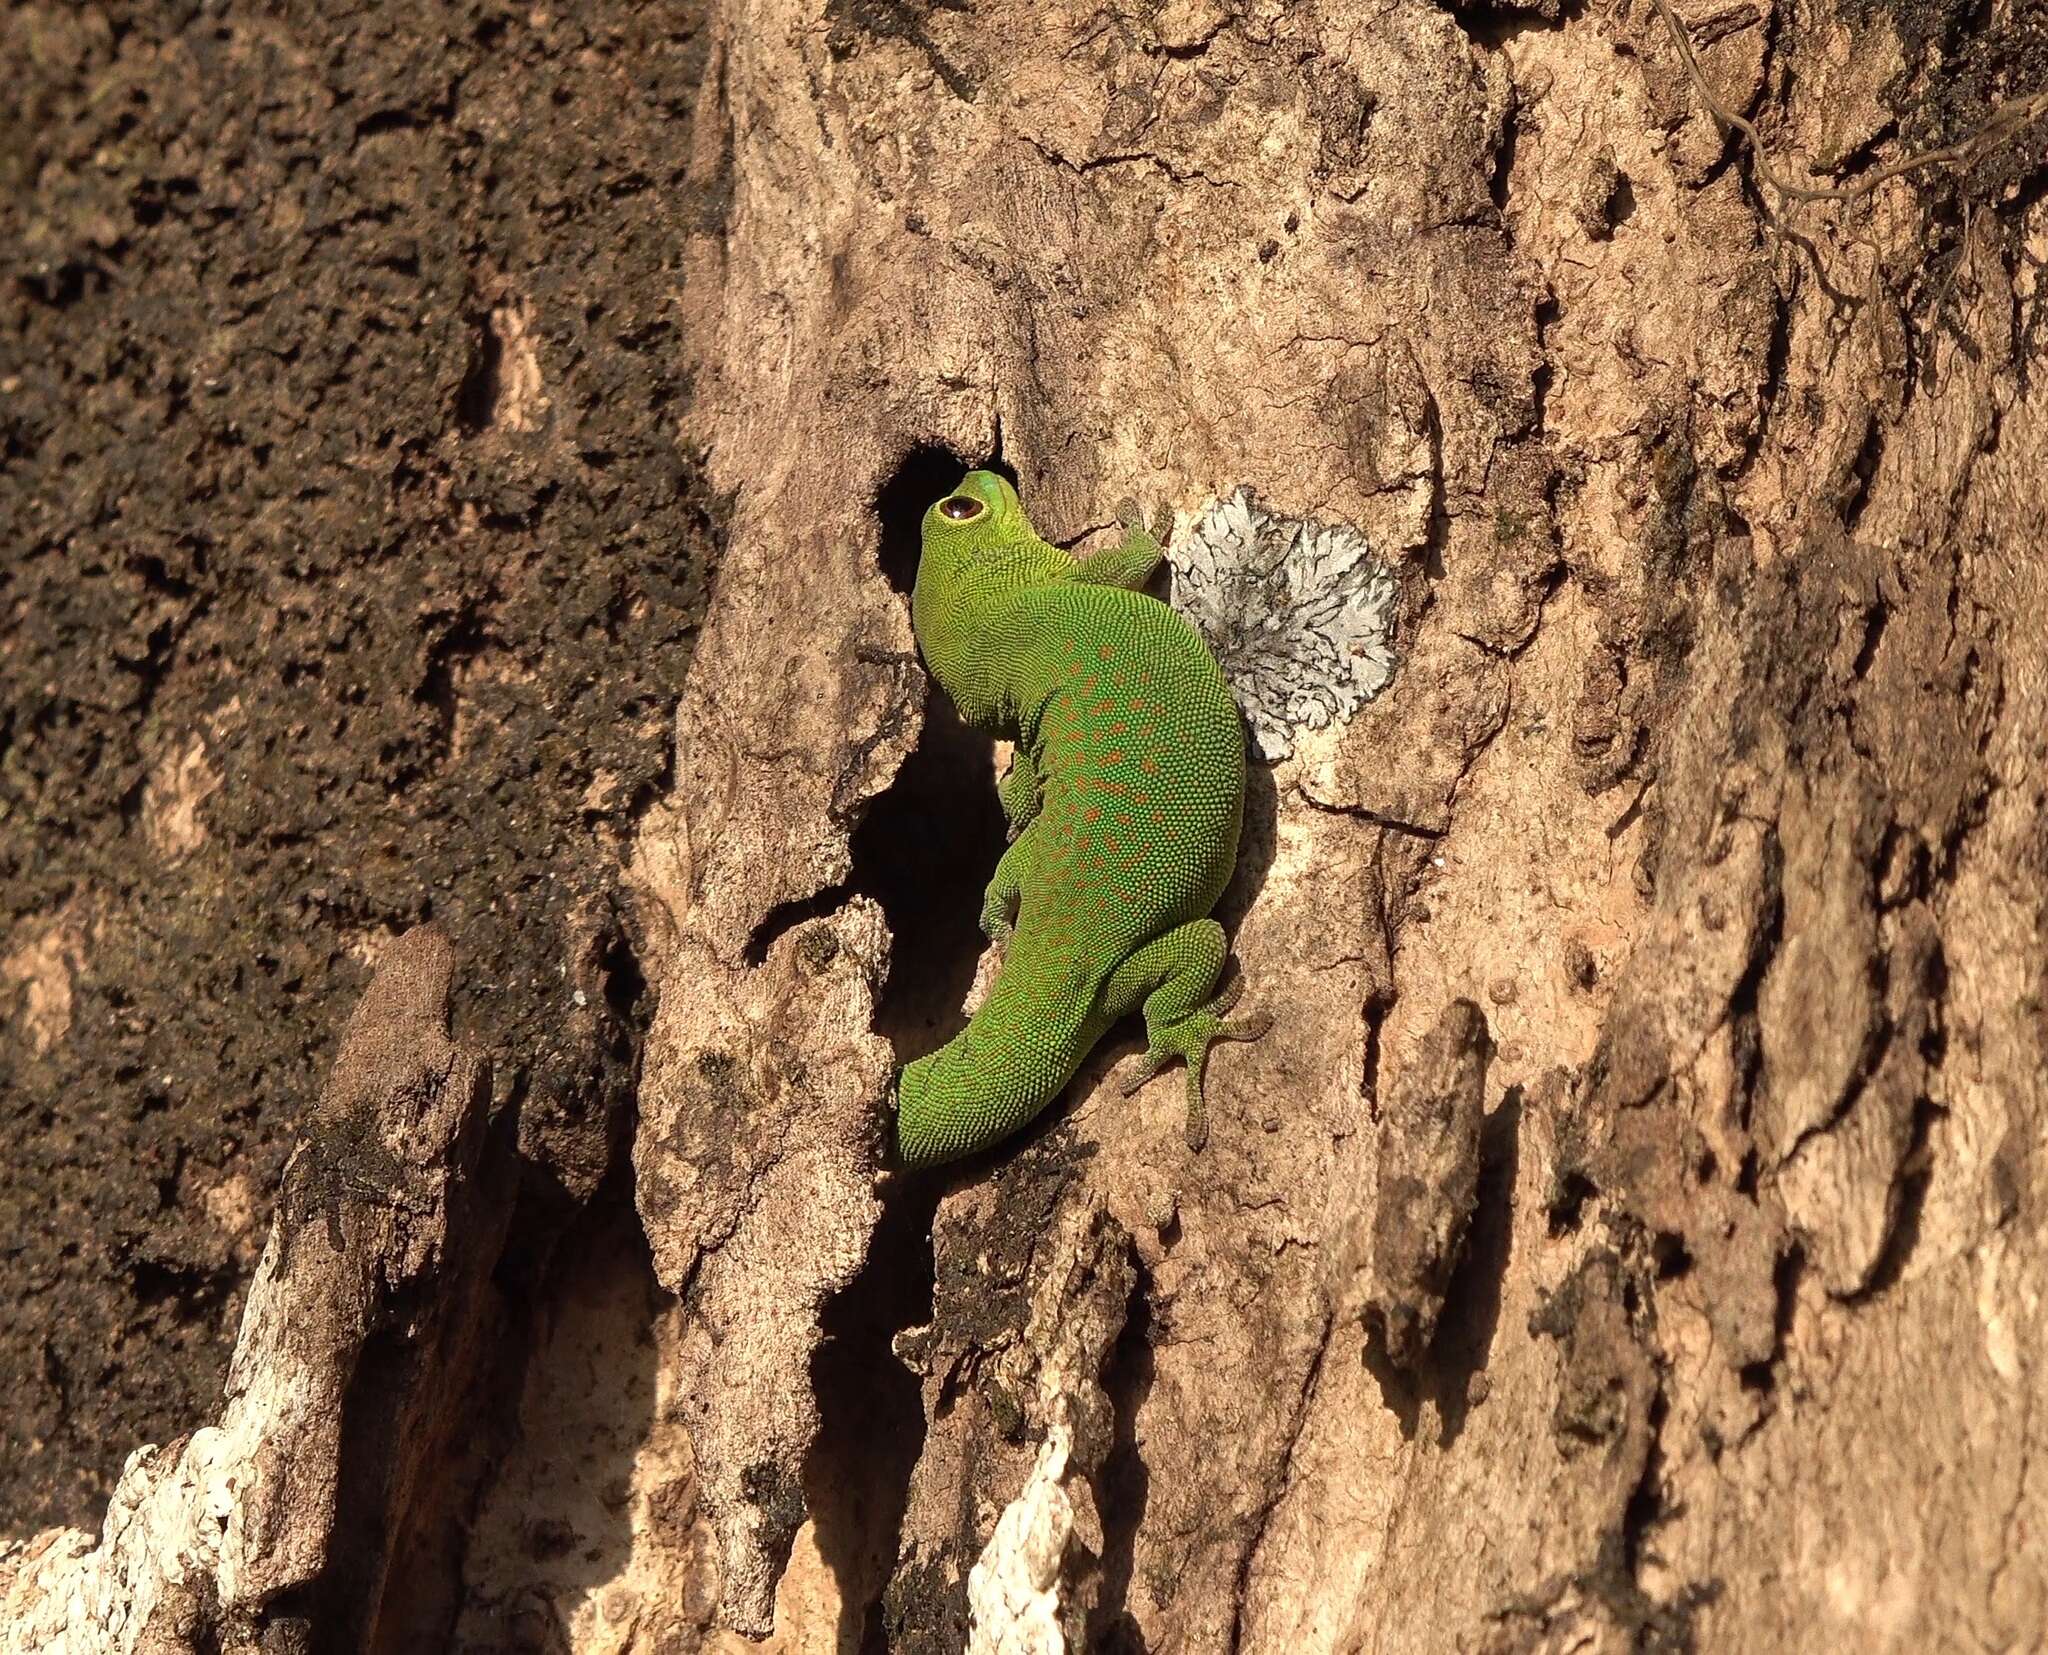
pixel 1126 798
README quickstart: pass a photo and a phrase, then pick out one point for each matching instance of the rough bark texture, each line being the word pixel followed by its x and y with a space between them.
pixel 1408 1236
pixel 349 565
pixel 1713 770
pixel 278 1525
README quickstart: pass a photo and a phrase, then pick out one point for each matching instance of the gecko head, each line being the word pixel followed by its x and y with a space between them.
pixel 982 508
pixel 965 533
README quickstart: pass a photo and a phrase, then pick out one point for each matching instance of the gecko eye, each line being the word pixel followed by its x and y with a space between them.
pixel 961 508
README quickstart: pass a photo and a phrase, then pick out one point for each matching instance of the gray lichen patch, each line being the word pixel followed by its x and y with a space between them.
pixel 1299 613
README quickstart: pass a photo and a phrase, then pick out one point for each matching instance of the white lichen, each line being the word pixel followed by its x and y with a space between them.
pixel 1013 1590
pixel 1299 614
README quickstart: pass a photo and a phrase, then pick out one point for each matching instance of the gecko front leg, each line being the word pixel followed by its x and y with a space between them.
pixel 1006 889
pixel 1017 792
pixel 1130 562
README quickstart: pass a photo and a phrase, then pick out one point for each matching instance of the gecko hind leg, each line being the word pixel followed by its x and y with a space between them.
pixel 1174 978
pixel 1005 889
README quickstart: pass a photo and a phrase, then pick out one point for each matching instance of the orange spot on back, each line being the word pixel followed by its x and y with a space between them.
pixel 1093 813
pixel 1105 653
pixel 1115 756
pixel 1149 765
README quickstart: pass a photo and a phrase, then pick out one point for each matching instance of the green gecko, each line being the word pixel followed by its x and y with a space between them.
pixel 1124 800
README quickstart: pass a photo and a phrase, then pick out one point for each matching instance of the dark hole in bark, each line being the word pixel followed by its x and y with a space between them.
pixel 857 1481
pixel 1621 202
pixel 925 852
pixel 1125 1481
pixel 927 846
pixel 476 402
pixel 1568 1200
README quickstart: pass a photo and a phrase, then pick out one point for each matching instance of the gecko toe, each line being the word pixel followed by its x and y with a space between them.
pixel 1252 1027
pixel 1154 1062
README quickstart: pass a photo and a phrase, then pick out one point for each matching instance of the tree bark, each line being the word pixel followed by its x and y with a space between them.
pixel 1631 1233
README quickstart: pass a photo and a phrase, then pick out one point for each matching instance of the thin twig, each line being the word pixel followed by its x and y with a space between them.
pixel 2001 124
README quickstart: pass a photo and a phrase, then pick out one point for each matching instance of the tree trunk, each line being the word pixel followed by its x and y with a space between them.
pixel 1631 1232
